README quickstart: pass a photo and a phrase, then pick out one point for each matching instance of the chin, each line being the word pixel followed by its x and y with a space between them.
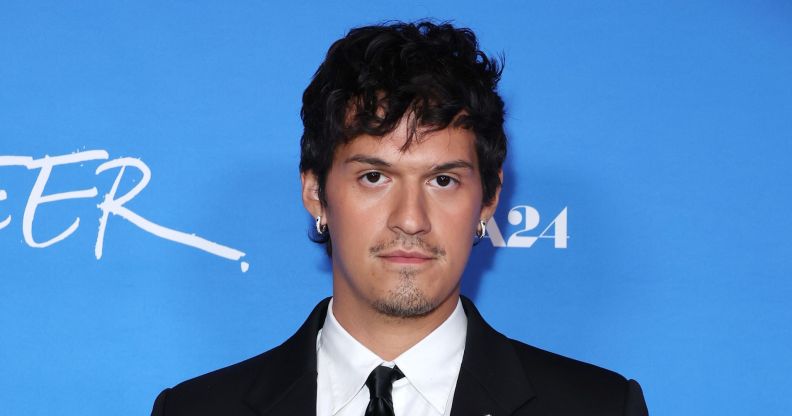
pixel 406 301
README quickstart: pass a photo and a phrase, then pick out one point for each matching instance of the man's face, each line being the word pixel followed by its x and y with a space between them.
pixel 402 223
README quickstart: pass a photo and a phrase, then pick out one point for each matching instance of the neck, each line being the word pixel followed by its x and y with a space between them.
pixel 384 335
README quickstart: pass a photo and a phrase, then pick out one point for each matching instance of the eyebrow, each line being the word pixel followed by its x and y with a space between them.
pixel 456 164
pixel 368 160
pixel 375 161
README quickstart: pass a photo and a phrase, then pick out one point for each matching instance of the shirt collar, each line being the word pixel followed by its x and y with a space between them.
pixel 431 365
pixel 348 361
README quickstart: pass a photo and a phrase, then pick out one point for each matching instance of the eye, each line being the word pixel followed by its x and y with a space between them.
pixel 373 178
pixel 443 181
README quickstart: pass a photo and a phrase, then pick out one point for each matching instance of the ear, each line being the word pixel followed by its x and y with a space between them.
pixel 310 194
pixel 487 211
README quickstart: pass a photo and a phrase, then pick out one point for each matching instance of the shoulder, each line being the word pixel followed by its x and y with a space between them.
pixel 215 390
pixel 233 378
pixel 236 389
pixel 557 368
pixel 577 386
pixel 540 382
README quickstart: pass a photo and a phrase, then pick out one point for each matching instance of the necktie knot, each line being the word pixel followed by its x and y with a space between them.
pixel 380 384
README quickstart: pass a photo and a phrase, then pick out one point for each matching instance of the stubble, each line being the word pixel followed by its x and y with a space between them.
pixel 406 300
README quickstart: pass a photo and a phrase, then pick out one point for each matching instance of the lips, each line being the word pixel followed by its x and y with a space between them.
pixel 406 257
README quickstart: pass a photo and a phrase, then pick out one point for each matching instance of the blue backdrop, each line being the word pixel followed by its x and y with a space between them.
pixel 654 135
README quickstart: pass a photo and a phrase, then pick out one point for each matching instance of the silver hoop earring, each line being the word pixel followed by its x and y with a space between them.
pixel 481 234
pixel 319 227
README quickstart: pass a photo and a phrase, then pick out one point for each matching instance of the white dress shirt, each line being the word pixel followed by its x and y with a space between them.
pixel 430 368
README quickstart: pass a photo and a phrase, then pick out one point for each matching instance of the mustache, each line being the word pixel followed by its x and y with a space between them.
pixel 407 242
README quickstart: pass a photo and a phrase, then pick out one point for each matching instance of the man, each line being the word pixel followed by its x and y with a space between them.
pixel 401 169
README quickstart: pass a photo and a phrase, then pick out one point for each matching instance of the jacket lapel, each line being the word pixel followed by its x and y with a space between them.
pixel 492 380
pixel 286 384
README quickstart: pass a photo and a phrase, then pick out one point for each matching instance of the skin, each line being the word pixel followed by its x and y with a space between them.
pixel 402 224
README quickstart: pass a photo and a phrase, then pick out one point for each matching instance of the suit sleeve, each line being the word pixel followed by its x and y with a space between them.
pixel 159 404
pixel 635 404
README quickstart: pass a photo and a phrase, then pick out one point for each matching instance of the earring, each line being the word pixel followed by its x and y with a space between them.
pixel 319 227
pixel 483 229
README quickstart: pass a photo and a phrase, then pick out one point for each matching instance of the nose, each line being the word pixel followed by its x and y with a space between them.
pixel 408 211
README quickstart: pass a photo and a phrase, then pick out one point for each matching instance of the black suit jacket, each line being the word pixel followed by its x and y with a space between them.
pixel 498 377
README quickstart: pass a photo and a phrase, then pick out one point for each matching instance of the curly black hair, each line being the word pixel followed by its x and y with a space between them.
pixel 434 74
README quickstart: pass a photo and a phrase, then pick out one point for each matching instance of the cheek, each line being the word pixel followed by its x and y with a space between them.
pixel 458 215
pixel 353 220
pixel 454 228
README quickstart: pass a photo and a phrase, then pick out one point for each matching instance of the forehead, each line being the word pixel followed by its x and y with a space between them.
pixel 425 150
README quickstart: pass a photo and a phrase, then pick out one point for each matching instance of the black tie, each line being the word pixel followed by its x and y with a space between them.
pixel 380 384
